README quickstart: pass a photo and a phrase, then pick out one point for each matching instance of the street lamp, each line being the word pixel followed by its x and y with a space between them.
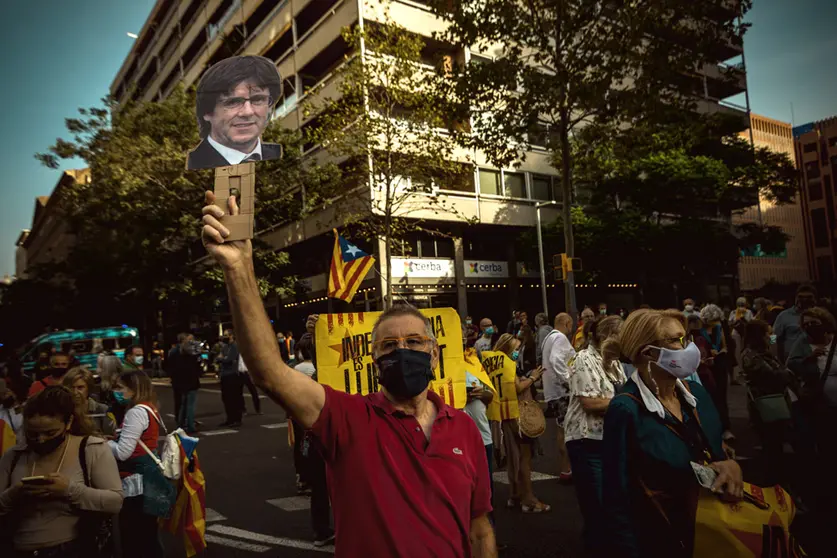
pixel 538 207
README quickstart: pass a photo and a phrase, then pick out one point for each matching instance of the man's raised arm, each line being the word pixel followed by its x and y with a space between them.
pixel 302 397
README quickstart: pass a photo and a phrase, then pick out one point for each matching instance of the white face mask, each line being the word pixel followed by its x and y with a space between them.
pixel 680 363
pixel 689 308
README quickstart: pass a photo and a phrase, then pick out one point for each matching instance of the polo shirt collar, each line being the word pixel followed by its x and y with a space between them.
pixel 380 401
pixel 234 156
pixel 650 400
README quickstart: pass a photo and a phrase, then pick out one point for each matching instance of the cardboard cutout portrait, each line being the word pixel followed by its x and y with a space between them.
pixel 235 100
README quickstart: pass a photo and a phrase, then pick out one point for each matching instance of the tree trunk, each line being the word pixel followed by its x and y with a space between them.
pixel 569 242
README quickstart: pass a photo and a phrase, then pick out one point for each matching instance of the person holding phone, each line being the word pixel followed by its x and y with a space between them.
pixel 49 480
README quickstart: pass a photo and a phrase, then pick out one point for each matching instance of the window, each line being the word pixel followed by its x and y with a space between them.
pixel 825 269
pixel 259 15
pixel 812 170
pixel 809 147
pixel 832 141
pixel 820 226
pixel 826 180
pixel 459 179
pixel 310 15
pixel 515 183
pixel 541 187
pixel 815 190
pixel 490 182
pixel 280 46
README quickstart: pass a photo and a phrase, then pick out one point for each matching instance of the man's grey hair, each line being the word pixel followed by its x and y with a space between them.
pixel 541 319
pixel 711 313
pixel 403 310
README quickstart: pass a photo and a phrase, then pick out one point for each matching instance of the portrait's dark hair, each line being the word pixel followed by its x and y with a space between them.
pixel 222 77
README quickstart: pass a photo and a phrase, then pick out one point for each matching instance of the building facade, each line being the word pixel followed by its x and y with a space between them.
pixel 474 261
pixel 815 145
pixel 49 238
pixel 756 268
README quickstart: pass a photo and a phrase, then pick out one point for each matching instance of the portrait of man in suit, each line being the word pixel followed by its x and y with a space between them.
pixel 235 100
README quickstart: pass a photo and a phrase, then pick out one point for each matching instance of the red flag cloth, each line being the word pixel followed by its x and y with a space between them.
pixel 189 514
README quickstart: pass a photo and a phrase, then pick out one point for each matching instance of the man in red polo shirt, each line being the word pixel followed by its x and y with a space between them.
pixel 408 474
pixel 59 364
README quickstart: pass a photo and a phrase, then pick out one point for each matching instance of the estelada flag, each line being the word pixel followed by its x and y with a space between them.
pixel 8 439
pixel 349 266
pixel 189 514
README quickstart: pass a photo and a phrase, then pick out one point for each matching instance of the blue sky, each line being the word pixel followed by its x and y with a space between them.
pixel 66 53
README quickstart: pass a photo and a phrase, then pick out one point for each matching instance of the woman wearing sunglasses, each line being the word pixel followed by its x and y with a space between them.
pixel 653 430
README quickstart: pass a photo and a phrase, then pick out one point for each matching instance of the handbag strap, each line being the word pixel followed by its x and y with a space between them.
pixel 152 455
pixel 82 460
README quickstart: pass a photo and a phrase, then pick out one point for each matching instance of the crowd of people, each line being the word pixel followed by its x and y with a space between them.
pixel 638 399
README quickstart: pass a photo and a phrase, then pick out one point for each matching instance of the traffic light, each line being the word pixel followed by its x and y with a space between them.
pixel 564 265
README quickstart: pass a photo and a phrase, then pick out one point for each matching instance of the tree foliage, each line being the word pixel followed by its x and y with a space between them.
pixel 547 70
pixel 388 126
pixel 136 223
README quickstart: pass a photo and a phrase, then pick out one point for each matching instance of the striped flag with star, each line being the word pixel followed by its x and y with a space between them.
pixel 349 266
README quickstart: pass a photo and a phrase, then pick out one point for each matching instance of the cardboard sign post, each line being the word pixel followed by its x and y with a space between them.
pixel 239 180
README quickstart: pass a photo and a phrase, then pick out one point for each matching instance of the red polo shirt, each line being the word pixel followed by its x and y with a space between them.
pixel 394 493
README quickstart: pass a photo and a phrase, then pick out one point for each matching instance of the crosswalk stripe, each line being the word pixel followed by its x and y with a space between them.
pixel 503 477
pixel 277 425
pixel 292 503
pixel 212 515
pixel 218 432
pixel 240 545
pixel 267 539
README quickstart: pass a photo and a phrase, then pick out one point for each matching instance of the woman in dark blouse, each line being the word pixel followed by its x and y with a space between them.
pixel 653 429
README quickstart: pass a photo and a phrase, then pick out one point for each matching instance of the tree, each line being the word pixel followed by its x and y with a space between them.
pixel 551 68
pixel 660 199
pixel 136 223
pixel 390 130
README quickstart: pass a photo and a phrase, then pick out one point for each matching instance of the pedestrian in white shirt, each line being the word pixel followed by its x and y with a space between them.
pixel 558 352
pixel 593 383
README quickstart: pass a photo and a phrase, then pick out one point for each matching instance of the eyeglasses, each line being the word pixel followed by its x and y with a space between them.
pixel 236 103
pixel 672 340
pixel 412 342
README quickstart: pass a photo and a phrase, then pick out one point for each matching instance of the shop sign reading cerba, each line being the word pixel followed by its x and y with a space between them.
pixel 484 268
pixel 422 267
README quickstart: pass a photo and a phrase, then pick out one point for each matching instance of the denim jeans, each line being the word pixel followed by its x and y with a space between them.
pixel 186 417
pixel 586 459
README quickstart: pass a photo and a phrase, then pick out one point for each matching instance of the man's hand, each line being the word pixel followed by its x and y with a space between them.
pixel 229 254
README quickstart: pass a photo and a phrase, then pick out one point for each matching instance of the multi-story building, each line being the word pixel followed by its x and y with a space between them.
pixel 49 239
pixel 471 264
pixel 790 265
pixel 816 157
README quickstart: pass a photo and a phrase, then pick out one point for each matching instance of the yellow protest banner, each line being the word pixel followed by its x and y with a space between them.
pixel 344 354
pixel 502 371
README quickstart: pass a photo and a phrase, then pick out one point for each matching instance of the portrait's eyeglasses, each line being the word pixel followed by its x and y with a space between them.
pixel 412 342
pixel 236 103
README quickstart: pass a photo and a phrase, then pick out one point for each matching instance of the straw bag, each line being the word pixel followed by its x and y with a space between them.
pixel 531 422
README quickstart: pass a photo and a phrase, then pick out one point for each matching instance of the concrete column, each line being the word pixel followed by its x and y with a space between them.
pixel 459 269
pixel 381 279
pixel 514 283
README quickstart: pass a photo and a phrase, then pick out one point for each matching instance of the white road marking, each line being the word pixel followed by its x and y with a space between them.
pixel 218 432
pixel 240 545
pixel 267 539
pixel 503 477
pixel 277 425
pixel 250 395
pixel 292 503
pixel 212 515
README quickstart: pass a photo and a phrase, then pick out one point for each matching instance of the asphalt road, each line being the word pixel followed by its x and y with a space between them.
pixel 253 508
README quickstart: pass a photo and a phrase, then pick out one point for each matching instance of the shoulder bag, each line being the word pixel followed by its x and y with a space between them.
pixel 531 422
pixel 95 530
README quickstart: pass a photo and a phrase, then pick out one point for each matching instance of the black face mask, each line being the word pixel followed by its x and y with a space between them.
pixel 8 402
pixel 47 446
pixel 57 372
pixel 405 373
